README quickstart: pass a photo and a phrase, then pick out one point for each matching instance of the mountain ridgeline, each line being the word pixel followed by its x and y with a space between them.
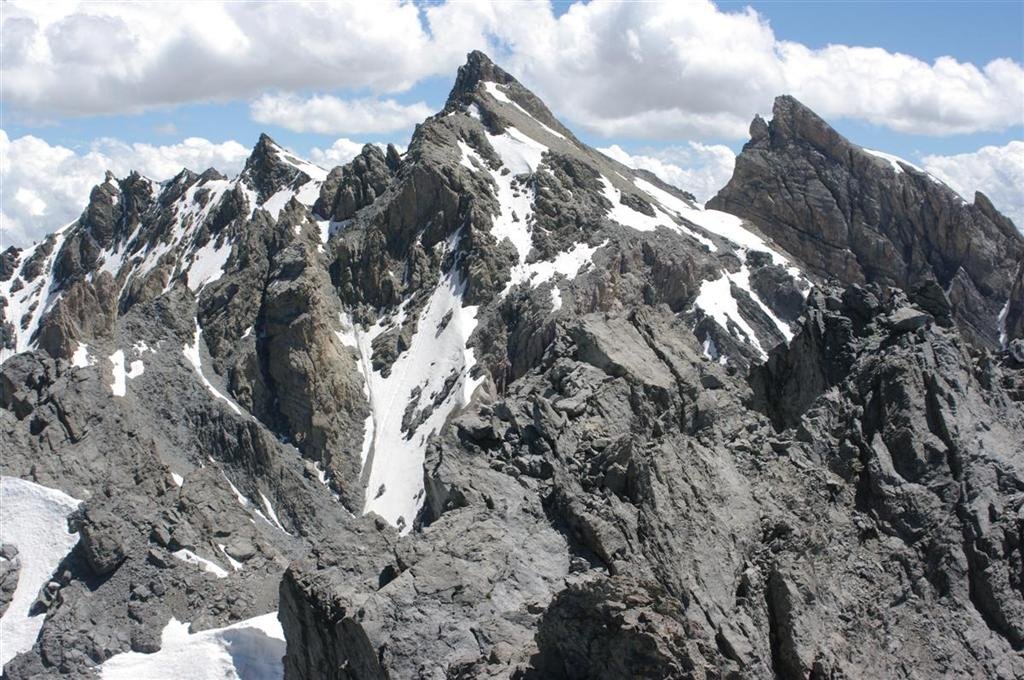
pixel 502 407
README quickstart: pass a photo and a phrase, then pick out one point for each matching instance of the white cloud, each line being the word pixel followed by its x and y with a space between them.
pixel 654 70
pixel 45 186
pixel 342 151
pixel 701 169
pixel 996 171
pixel 664 70
pixel 330 115
pixel 97 58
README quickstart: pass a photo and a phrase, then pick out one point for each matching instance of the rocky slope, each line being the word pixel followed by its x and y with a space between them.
pixel 858 215
pixel 499 406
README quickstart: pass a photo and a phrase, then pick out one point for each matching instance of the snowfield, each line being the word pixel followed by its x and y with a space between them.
pixel 432 377
pixel 34 519
pixel 247 650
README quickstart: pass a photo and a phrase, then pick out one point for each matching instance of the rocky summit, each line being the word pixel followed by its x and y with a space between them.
pixel 499 406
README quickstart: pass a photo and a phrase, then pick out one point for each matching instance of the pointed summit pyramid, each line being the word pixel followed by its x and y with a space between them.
pixel 492 93
pixel 860 215
pixel 270 168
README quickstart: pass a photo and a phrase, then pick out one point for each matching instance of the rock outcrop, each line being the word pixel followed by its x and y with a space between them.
pixel 859 216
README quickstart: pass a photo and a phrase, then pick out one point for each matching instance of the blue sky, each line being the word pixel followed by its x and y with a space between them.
pixel 670 85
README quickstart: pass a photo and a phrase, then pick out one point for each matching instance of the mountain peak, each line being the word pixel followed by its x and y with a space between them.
pixel 478 68
pixel 267 169
pixel 495 92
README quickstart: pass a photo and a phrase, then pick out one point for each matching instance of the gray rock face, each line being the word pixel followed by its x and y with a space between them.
pixel 848 213
pixel 630 445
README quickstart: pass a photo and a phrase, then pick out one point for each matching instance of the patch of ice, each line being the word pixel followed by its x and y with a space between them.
pixel 247 650
pixel 210 566
pixel 33 518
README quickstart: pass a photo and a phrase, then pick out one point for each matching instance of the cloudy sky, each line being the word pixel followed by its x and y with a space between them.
pixel 669 86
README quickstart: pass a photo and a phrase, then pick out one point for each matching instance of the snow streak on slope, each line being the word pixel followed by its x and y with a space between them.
pixel 137 254
pixel 897 164
pixel 34 519
pixel 201 562
pixel 191 353
pixel 494 90
pixel 520 155
pixel 426 383
pixel 121 376
pixel 715 296
pixel 26 307
pixel 515 203
pixel 247 650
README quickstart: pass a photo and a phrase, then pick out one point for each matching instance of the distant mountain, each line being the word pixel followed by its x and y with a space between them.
pixel 500 406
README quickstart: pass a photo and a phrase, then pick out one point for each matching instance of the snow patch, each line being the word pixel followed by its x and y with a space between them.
pixel 207 565
pixel 270 513
pixel 191 353
pixel 121 376
pixel 716 300
pixel 26 307
pixel 515 203
pixel 894 161
pixel 1001 323
pixel 556 298
pixel 672 204
pixel 492 89
pixel 235 564
pixel 247 650
pixel 567 263
pixel 627 217
pixel 81 358
pixel 519 153
pixel 208 264
pixel 34 519
pixel 437 360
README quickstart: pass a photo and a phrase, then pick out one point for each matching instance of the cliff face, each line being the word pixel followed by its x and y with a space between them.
pixel 859 216
pixel 501 407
